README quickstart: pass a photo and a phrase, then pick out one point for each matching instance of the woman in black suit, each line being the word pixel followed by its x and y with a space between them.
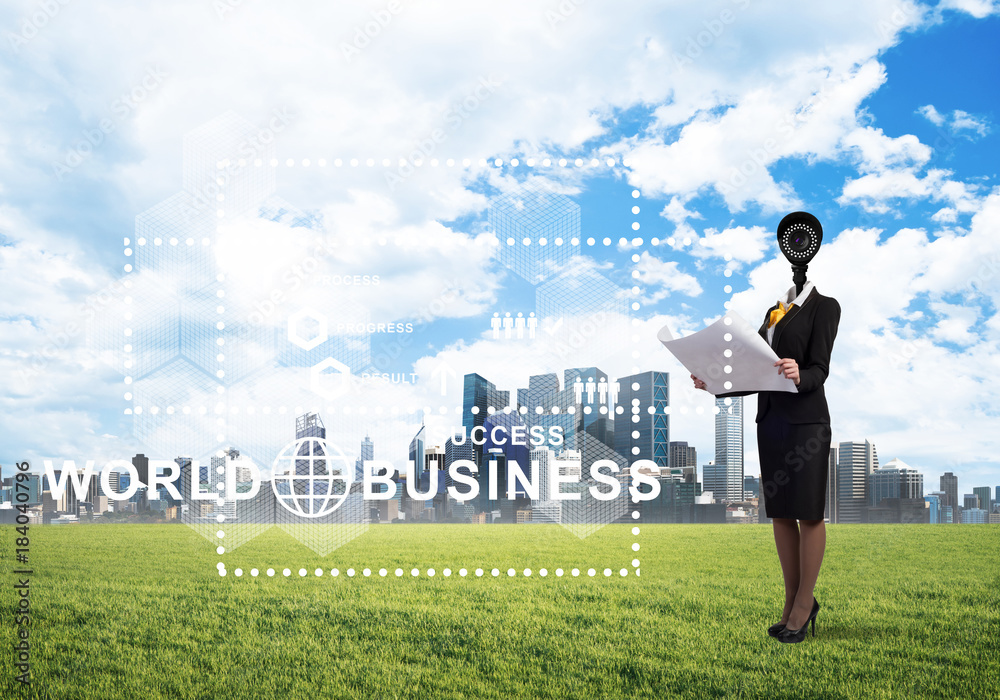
pixel 793 442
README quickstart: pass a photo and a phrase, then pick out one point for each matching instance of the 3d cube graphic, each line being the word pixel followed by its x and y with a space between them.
pixel 528 224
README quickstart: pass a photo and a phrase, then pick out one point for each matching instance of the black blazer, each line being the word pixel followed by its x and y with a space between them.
pixel 805 334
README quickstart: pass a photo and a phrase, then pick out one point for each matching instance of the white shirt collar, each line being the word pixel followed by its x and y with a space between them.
pixel 799 300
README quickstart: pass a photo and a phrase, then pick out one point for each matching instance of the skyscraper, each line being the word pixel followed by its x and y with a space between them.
pixel 714 479
pixel 895 479
pixel 855 462
pixel 479 395
pixel 141 464
pixel 729 447
pixel 683 456
pixel 949 484
pixel 366 455
pixel 984 497
pixel 416 453
pixel 643 430
pixel 308 425
pixel 831 487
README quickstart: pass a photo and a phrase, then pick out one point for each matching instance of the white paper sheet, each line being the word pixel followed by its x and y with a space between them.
pixel 748 366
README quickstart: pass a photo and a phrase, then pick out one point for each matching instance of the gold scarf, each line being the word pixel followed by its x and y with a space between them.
pixel 777 314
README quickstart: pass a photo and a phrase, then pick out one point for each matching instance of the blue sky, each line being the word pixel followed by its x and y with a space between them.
pixel 880 118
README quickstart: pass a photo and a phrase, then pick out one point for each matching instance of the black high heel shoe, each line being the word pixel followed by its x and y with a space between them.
pixel 776 629
pixel 790 636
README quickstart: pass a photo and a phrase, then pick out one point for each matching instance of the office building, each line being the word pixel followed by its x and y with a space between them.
pixel 855 463
pixel 683 456
pixel 417 454
pixel 480 398
pixel 984 497
pixel 366 454
pixel 949 485
pixel 831 487
pixel 974 516
pixel 895 479
pixel 729 448
pixel 643 430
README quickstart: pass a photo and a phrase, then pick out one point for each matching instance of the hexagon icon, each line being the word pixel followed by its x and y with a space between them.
pixel 296 319
pixel 330 384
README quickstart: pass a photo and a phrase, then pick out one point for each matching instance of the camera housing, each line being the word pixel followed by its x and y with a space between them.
pixel 800 235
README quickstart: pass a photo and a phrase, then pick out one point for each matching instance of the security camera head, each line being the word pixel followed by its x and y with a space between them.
pixel 799 237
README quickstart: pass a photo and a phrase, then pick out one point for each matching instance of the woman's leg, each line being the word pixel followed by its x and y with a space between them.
pixel 786 539
pixel 812 544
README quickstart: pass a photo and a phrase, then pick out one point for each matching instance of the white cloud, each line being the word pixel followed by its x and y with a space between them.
pixel 977 8
pixel 957 122
pixel 875 151
pixel 876 192
pixel 963 121
pixel 932 115
pixel 955 324
pixel 738 244
pixel 661 278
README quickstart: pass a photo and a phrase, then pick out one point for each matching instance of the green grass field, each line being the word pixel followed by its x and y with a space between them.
pixel 139 611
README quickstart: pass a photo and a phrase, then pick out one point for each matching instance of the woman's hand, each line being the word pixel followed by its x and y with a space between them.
pixel 698 384
pixel 788 367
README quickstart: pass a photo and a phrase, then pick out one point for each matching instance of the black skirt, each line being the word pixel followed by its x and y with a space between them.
pixel 794 467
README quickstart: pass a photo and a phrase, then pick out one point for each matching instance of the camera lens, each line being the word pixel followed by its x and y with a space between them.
pixel 798 241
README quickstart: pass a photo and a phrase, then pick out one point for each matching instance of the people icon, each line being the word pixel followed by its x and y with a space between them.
pixel 519 325
pixel 514 325
pixel 578 390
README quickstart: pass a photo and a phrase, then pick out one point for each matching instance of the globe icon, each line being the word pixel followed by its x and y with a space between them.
pixel 311 477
